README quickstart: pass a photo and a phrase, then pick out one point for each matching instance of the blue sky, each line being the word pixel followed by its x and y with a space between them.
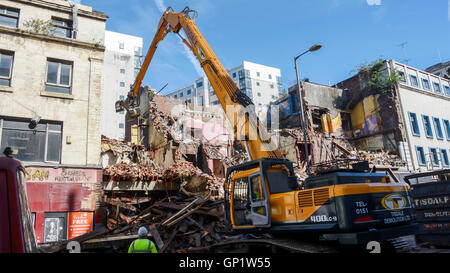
pixel 271 32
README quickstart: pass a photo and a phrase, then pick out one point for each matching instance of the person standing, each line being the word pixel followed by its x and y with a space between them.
pixel 142 245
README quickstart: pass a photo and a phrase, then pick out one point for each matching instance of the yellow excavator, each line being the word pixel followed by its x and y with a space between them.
pixel 350 206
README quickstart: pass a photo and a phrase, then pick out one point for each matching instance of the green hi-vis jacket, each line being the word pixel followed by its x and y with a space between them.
pixel 142 246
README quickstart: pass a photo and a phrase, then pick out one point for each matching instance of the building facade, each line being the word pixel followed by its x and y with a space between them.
pixel 410 118
pixel 123 54
pixel 51 70
pixel 261 83
pixel 425 105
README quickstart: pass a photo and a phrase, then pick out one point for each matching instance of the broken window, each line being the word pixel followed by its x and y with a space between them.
pixel 62 27
pixel 6 61
pixel 41 144
pixel 59 76
pixel 9 17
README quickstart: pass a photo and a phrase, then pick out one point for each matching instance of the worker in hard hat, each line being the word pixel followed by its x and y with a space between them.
pixel 142 245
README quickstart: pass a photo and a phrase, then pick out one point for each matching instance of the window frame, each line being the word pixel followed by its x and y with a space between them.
pixel 411 124
pixel 58 77
pixel 9 15
pixel 425 127
pixel 411 81
pixel 446 90
pixel 438 129
pixel 46 131
pixel 446 124
pixel 433 163
pixel 402 76
pixel 66 21
pixel 447 162
pixel 426 86
pixel 424 162
pixel 11 66
pixel 439 91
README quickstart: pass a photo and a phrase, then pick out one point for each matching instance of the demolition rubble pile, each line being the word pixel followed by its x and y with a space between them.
pixel 330 153
pixel 176 224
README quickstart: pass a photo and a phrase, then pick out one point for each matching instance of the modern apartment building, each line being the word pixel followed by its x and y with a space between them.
pixel 261 83
pixel 123 54
pixel 51 69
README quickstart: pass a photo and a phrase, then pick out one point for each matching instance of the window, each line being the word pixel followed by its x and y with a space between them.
pixel 234 75
pixel 121 97
pixel 257 74
pixel 62 27
pixel 434 157
pixel 175 96
pixel 444 158
pixel 9 17
pixel 421 156
pixel 426 84
pixel 59 76
pixel 6 62
pixel 55 227
pixel 200 101
pixel 121 126
pixel 138 51
pixel 414 124
pixel 189 101
pixel 257 84
pixel 188 92
pixel 181 94
pixel 437 87
pixel 121 46
pixel 199 84
pixel 446 90
pixel 41 144
pixel 122 71
pixel 413 80
pixel 122 84
pixel 446 128
pixel 438 128
pixel 427 126
pixel 270 77
pixel 123 58
pixel 259 94
pixel 402 76
pixel 272 86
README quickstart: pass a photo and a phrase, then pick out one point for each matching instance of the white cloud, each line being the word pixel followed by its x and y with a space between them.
pixel 374 2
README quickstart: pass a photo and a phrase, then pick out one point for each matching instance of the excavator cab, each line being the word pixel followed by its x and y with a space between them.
pixel 247 191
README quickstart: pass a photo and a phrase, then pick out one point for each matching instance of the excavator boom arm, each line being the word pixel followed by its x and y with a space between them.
pixel 237 105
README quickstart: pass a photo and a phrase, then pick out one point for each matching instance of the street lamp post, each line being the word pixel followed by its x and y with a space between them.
pixel 313 48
